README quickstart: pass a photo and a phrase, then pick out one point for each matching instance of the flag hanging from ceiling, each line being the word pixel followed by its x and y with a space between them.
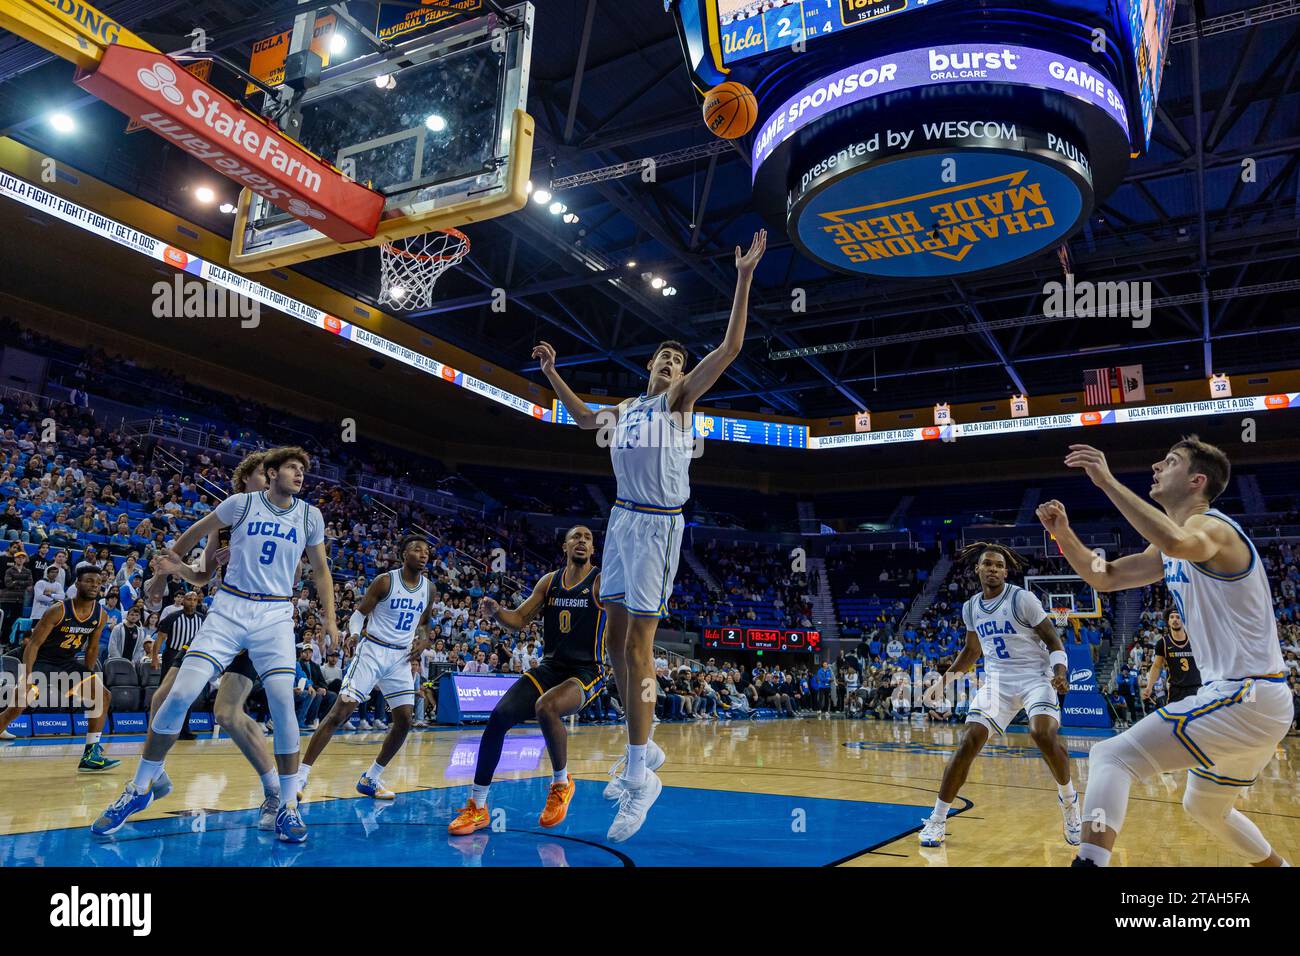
pixel 1132 383
pixel 1101 386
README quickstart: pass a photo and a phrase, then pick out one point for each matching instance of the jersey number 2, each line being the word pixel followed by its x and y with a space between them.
pixel 1001 647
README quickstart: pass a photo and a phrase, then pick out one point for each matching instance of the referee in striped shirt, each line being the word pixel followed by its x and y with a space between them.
pixel 177 629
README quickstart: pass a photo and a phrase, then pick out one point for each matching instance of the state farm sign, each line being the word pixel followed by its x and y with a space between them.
pixel 156 92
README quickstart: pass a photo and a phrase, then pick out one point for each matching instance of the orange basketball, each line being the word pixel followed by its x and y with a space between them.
pixel 730 110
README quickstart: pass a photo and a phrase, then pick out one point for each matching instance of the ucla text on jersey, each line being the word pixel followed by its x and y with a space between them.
pixel 267 542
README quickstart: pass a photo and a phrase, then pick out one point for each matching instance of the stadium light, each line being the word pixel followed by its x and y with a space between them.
pixel 435 123
pixel 62 123
pixel 542 196
pixel 204 194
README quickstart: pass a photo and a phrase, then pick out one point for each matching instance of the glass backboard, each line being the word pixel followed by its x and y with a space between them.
pixel 438 126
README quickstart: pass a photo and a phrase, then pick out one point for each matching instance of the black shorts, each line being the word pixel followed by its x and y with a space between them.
pixel 172 657
pixel 65 680
pixel 1178 693
pixel 243 666
pixel 549 674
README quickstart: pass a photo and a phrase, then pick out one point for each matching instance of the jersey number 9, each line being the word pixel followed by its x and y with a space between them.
pixel 268 552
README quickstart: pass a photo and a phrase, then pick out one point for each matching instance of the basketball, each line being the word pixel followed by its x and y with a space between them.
pixel 730 110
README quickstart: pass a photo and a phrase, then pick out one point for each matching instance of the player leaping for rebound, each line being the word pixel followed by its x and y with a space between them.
pixel 1228 731
pixel 391 623
pixel 1025 667
pixel 269 531
pixel 567 679
pixel 651 446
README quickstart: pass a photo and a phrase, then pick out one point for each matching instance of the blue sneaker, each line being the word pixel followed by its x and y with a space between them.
pixel 115 817
pixel 369 787
pixel 289 826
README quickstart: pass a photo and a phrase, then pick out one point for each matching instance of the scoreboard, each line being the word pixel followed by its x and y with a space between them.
pixel 760 639
pixel 750 28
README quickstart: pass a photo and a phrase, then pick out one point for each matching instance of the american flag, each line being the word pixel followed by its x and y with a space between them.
pixel 1097 386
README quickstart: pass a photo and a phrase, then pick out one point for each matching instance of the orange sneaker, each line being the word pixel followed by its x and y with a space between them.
pixel 471 817
pixel 557 804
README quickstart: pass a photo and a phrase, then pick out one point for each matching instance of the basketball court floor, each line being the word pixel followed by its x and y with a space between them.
pixel 801 792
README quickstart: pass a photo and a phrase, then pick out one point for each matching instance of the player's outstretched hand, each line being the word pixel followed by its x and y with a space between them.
pixel 488 607
pixel 169 562
pixel 544 352
pixel 1092 461
pixel 746 263
pixel 1052 515
pixel 1061 683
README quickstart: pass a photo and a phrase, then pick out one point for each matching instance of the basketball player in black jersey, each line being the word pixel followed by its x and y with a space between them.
pixel 52 674
pixel 568 678
pixel 1175 653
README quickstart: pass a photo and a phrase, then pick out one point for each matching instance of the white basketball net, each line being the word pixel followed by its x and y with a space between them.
pixel 410 267
pixel 1061 616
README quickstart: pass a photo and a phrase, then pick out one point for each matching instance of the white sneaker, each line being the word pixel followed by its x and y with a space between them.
pixel 380 725
pixel 654 759
pixel 363 725
pixel 1073 820
pixel 315 724
pixel 933 832
pixel 5 735
pixel 633 805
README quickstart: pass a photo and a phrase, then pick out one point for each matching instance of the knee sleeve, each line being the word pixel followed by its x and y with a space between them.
pixel 1112 769
pixel 1211 805
pixel 191 678
pixel 279 700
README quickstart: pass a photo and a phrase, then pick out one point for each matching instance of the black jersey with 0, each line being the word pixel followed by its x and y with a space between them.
pixel 1180 662
pixel 574 622
pixel 68 639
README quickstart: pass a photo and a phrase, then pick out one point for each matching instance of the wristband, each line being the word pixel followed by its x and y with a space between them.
pixel 356 622
pixel 1059 657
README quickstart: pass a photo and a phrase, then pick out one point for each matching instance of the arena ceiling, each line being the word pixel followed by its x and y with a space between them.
pixel 609 86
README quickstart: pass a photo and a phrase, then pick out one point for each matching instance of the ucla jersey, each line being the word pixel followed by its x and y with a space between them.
pixel 266 543
pixel 1005 627
pixel 651 453
pixel 1229 619
pixel 392 622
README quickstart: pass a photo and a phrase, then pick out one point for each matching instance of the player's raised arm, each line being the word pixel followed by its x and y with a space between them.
pixel 1131 571
pixel 209 524
pixel 705 375
pixel 587 419
pixel 1199 540
pixel 524 614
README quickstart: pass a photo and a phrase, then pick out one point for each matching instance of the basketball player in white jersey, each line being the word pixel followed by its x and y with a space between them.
pixel 391 623
pixel 1228 731
pixel 238 680
pixel 651 443
pixel 1025 668
pixel 270 530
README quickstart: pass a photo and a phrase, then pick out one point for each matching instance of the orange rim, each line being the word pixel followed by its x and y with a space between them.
pixel 420 257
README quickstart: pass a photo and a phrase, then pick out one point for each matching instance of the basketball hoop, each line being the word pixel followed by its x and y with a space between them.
pixel 1061 616
pixel 409 268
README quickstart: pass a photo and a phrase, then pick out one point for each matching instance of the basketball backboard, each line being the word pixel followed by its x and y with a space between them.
pixel 1065 591
pixel 437 124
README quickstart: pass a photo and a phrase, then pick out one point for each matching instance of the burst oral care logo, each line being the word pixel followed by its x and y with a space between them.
pixel 76 909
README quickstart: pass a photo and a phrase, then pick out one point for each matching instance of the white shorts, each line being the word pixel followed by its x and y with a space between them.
pixel 1001 698
pixel 263 628
pixel 1229 730
pixel 639 562
pixel 378 664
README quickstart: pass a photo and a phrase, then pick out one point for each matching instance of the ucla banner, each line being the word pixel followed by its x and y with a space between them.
pixel 1084 704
